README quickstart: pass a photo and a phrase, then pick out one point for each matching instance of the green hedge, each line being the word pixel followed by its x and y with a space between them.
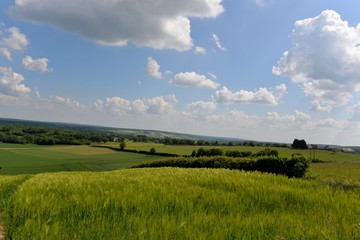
pixel 296 166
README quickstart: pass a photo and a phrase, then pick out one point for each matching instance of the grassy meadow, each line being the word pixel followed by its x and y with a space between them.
pixel 171 203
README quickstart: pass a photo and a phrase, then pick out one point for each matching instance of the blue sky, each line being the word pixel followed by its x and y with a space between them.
pixel 270 70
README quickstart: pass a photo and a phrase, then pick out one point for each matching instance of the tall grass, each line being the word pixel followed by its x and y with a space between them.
pixel 171 203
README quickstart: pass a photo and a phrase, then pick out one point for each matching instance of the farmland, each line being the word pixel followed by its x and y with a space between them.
pixel 22 159
pixel 180 204
pixel 76 190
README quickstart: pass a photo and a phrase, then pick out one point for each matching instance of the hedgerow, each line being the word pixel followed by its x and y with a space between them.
pixel 296 166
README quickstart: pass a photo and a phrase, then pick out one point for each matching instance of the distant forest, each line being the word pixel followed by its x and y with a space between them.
pixel 43 133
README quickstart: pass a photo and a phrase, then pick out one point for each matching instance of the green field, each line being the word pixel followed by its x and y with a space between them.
pixel 20 159
pixel 334 166
pixel 171 203
pixel 178 204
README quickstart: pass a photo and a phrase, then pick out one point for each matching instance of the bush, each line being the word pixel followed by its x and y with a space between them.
pixel 152 150
pixel 297 166
pixel 209 152
pixel 238 154
pixel 267 152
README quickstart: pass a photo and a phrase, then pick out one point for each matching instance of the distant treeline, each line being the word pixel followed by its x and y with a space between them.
pixel 42 135
pixel 195 142
pixel 47 134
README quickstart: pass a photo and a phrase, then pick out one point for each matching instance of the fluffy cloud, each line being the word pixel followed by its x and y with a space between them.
pixel 297 120
pixel 201 108
pixel 159 24
pixel 317 107
pixel 216 40
pixel 120 106
pixel 40 64
pixel 6 53
pixel 56 102
pixel 153 68
pixel 123 106
pixel 14 39
pixel 192 79
pixel 162 105
pixel 199 50
pixel 325 59
pixel 10 83
pixel 354 112
pixel 66 102
pixel 262 95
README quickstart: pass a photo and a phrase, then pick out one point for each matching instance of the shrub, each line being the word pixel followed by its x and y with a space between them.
pixel 238 154
pixel 152 150
pixel 267 152
pixel 297 166
pixel 209 152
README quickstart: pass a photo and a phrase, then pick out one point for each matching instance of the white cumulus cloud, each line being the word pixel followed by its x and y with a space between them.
pixel 201 107
pixel 200 50
pixel 15 40
pixel 262 95
pixel 66 102
pixel 325 59
pixel 10 83
pixel 193 79
pixel 117 105
pixel 153 68
pixel 40 65
pixel 354 112
pixel 5 52
pixel 159 24
pixel 162 105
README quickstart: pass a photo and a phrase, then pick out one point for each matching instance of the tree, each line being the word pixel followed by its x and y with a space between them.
pixel 152 150
pixel 122 145
pixel 299 144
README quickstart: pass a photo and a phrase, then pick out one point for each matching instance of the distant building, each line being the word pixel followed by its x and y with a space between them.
pixel 313 146
pixel 347 150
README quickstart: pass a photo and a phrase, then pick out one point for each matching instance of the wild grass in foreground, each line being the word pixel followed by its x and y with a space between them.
pixel 173 203
pixel 8 185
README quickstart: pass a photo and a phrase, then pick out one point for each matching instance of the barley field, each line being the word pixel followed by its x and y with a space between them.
pixel 172 203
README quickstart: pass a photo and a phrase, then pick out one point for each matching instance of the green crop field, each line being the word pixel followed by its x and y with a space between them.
pixel 171 203
pixel 19 159
pixel 334 165
pixel 178 204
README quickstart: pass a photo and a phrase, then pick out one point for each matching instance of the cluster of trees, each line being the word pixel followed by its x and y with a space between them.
pixel 299 144
pixel 296 166
pixel 201 152
pixel 43 135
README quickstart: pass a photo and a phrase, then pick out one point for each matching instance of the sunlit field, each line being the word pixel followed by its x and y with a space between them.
pixel 171 203
pixel 180 204
pixel 332 165
pixel 20 159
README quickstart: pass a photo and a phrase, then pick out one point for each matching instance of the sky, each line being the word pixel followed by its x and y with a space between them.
pixel 264 70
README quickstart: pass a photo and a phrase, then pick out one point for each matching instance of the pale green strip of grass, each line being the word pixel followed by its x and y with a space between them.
pixel 181 204
pixel 39 159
